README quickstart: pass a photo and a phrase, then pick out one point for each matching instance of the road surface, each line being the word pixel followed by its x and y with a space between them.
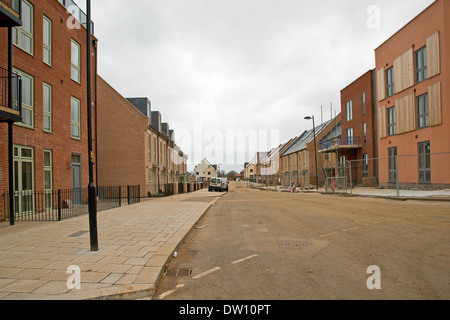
pixel 264 245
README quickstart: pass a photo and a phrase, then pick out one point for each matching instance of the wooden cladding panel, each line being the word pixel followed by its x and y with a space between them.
pixel 433 56
pixel 381 84
pixel 435 104
pixel 382 125
pixel 405 113
pixel 404 71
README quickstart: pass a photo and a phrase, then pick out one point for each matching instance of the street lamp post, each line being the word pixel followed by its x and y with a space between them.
pixel 315 149
pixel 91 188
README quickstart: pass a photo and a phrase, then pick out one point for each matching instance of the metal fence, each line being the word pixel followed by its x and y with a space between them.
pixel 417 171
pixel 57 205
pixel 5 89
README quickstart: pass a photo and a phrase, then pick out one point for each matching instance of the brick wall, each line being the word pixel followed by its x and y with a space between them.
pixel 63 88
pixel 122 140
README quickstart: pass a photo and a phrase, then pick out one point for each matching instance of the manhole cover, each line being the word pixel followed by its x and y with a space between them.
pixel 78 234
pixel 177 273
pixel 288 244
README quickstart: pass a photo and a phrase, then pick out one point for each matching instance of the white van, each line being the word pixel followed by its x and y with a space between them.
pixel 215 184
pixel 224 184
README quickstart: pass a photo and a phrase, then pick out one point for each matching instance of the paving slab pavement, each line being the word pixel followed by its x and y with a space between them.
pixel 46 260
pixel 411 194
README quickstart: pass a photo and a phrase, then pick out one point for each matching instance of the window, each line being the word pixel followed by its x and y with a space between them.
pixel 75 118
pixel 164 154
pixel 365 170
pixel 421 64
pixel 47 103
pixel 23 180
pixel 364 103
pixel 422 111
pixel 349 110
pixel 23 36
pixel 76 73
pixel 365 133
pixel 350 136
pixel 391 121
pixel 393 164
pixel 149 145
pixel 154 149
pixel 47 42
pixel 48 181
pixel 27 99
pixel 150 175
pixel 425 162
pixel 390 81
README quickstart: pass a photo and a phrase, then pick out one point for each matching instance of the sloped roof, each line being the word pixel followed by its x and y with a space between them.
pixel 273 153
pixel 305 138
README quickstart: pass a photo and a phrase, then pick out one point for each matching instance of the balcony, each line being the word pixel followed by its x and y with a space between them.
pixel 76 12
pixel 13 113
pixel 10 13
pixel 340 143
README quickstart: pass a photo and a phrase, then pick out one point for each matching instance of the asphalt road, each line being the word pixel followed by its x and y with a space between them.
pixel 263 245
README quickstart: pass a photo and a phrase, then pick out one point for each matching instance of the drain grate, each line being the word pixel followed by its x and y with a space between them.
pixel 293 244
pixel 177 273
pixel 77 234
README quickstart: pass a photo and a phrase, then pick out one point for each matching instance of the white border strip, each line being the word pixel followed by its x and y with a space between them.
pixel 206 273
pixel 245 259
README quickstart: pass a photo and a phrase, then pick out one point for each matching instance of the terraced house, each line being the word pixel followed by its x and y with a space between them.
pixel 298 165
pixel 413 95
pixel 134 146
pixel 48 141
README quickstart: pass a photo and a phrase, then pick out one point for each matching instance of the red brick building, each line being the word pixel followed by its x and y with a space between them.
pixel 413 91
pixel 50 144
pixel 359 131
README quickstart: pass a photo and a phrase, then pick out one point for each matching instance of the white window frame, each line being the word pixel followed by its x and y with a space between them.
pixel 48 191
pixel 349 108
pixel 75 66
pixel 49 111
pixel 75 122
pixel 25 106
pixel 20 32
pixel 47 46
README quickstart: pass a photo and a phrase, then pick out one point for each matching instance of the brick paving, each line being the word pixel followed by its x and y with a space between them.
pixel 135 243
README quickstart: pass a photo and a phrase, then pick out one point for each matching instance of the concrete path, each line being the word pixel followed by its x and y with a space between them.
pixel 40 261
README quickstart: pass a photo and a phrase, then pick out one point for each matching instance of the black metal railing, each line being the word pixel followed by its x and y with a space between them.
pixel 5 89
pixel 57 205
pixel 75 10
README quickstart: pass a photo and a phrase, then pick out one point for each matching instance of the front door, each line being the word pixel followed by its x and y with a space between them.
pixel 76 180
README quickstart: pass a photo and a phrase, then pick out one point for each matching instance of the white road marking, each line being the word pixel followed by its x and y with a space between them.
pixel 206 273
pixel 345 230
pixel 328 234
pixel 245 259
pixel 169 292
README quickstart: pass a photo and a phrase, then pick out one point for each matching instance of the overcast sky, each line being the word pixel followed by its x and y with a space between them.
pixel 241 64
